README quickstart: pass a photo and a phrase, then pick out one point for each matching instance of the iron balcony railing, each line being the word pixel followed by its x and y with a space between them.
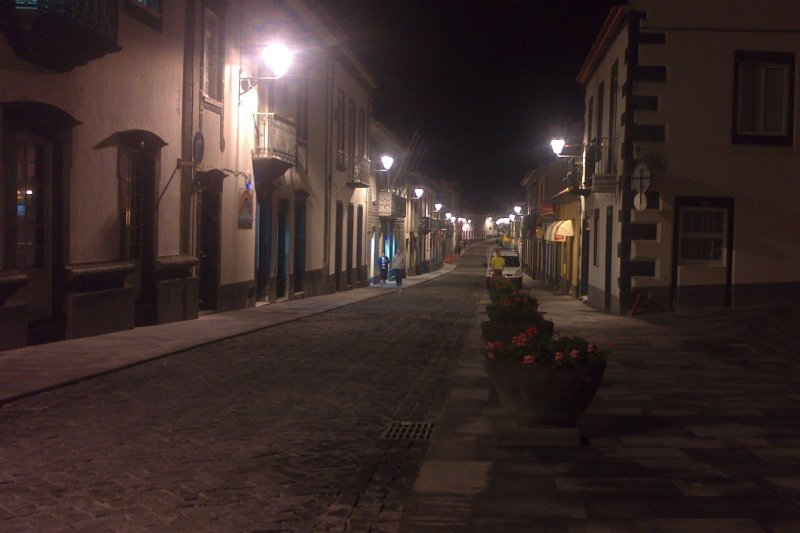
pixel 391 205
pixel 426 224
pixel 600 156
pixel 276 137
pixel 361 170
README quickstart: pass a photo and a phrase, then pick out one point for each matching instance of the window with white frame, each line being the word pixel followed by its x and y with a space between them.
pixel 351 144
pixel 703 235
pixel 212 57
pixel 764 95
pixel 340 130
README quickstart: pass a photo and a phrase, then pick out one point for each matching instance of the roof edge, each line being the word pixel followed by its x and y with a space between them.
pixel 336 36
pixel 611 27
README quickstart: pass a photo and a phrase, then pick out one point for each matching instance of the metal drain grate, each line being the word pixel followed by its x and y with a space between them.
pixel 399 430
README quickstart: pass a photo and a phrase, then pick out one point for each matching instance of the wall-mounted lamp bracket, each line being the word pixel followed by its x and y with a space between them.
pixel 245 84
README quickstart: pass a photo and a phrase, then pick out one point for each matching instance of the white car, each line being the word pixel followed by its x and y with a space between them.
pixel 512 270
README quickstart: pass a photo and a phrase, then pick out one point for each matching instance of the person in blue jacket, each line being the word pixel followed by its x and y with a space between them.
pixel 383 267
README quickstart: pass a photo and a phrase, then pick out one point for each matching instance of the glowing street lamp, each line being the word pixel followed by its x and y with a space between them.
pixel 418 191
pixel 517 209
pixel 387 161
pixel 448 215
pixel 437 206
pixel 278 58
pixel 558 145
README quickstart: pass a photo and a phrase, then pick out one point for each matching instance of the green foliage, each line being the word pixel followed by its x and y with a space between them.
pixel 501 285
pixel 515 307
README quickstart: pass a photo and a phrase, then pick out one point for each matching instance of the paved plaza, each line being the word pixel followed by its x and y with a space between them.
pixel 280 426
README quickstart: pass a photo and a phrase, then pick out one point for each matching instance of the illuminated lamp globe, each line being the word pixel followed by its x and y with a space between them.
pixel 278 58
pixel 387 161
pixel 557 145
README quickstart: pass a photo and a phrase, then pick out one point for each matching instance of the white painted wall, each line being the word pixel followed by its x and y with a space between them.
pixel 138 87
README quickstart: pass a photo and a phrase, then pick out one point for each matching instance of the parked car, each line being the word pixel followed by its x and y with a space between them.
pixel 512 270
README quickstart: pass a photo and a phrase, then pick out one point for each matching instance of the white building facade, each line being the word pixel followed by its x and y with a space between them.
pixel 153 167
pixel 692 157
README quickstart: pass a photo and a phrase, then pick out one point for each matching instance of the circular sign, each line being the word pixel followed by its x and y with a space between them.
pixel 198 148
pixel 640 201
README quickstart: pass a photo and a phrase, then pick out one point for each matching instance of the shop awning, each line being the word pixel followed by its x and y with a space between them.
pixel 559 230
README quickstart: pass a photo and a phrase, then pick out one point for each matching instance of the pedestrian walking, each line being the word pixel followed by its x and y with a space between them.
pixel 383 268
pixel 399 265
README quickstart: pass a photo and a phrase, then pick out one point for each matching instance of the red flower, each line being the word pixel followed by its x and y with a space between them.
pixel 558 356
pixel 490 355
pixel 574 354
pixel 590 347
pixel 531 331
pixel 528 359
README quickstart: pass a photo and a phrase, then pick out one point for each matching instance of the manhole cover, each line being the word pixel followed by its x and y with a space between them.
pixel 399 430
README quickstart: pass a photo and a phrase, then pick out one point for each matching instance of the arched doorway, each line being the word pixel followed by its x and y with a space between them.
pixel 36 146
pixel 138 162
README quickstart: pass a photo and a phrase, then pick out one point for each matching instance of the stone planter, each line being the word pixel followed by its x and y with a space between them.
pixel 505 331
pixel 545 395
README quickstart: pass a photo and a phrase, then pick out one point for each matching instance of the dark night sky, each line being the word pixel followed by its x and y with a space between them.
pixel 486 83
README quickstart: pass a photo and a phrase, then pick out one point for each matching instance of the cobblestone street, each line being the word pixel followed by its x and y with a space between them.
pixel 277 430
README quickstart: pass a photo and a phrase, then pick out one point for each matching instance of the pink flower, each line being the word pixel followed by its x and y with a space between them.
pixel 574 354
pixel 490 355
pixel 528 359
pixel 559 356
pixel 590 347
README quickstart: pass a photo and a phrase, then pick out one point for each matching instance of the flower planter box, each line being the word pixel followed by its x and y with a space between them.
pixel 505 331
pixel 545 395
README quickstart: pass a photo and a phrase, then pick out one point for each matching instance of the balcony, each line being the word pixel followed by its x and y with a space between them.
pixel 426 224
pixel 391 205
pixel 275 149
pixel 600 157
pixel 360 175
pixel 60 34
